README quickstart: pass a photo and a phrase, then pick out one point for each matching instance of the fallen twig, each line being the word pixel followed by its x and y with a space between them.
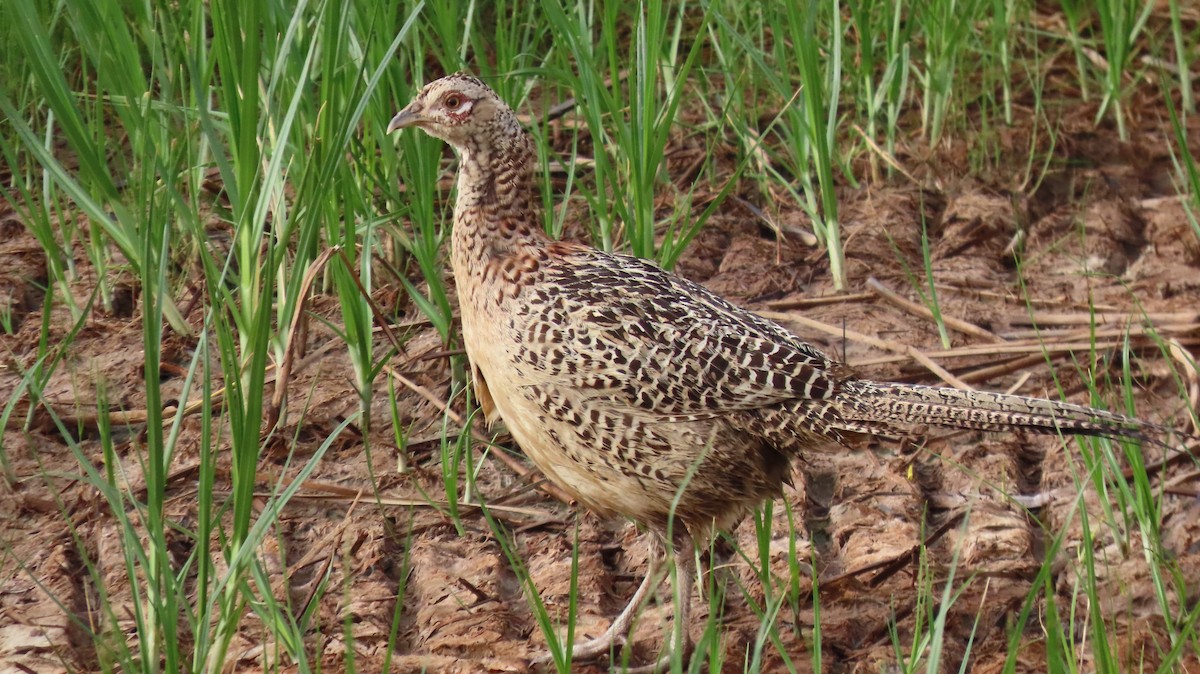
pixel 924 312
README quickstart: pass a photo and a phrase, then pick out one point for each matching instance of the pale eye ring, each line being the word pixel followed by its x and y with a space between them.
pixel 453 102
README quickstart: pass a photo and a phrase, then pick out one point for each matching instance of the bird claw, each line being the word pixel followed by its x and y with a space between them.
pixel 594 648
pixel 588 650
pixel 663 664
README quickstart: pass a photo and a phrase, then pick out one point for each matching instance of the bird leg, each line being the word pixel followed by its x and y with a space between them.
pixel 620 627
pixel 684 551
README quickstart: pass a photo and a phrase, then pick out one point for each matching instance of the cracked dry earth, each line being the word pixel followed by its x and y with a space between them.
pixel 1102 231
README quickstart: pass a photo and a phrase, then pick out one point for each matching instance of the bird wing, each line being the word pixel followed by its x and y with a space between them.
pixel 635 336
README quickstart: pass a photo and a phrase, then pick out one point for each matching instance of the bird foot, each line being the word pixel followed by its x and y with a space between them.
pixel 607 643
pixel 663 663
pixel 611 645
pixel 601 645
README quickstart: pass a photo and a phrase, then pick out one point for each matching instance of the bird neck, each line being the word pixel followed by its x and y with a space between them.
pixel 497 194
pixel 497 238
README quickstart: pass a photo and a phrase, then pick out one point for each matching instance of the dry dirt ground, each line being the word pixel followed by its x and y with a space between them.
pixel 1104 229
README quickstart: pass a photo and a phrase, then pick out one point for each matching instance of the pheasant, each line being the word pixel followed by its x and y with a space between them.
pixel 641 393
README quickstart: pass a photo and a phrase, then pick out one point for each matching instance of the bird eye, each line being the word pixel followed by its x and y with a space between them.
pixel 452 102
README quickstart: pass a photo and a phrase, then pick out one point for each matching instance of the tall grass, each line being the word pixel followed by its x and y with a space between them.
pixel 1121 22
pixel 628 101
pixel 142 110
pixel 878 73
pixel 228 147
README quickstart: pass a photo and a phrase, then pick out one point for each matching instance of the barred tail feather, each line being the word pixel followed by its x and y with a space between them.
pixel 908 404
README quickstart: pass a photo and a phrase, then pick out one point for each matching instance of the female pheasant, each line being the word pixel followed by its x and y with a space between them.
pixel 641 393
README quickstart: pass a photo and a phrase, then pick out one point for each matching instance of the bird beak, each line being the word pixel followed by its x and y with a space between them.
pixel 409 116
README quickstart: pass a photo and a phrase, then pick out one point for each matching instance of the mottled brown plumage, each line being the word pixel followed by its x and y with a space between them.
pixel 641 393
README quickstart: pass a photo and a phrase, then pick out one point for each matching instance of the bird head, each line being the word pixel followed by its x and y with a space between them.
pixel 455 108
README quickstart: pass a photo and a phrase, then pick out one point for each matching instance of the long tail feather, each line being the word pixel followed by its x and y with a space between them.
pixel 869 402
